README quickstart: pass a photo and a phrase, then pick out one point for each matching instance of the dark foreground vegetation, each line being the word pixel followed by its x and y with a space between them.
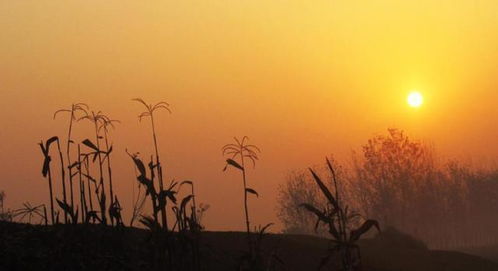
pixel 98 247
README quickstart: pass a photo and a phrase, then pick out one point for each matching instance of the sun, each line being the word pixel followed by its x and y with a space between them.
pixel 415 99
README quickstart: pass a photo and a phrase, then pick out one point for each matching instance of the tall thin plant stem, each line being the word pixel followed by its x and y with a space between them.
pixel 164 217
pixel 243 151
pixel 63 178
pixel 47 172
pixel 74 109
pixel 97 119
pixel 106 122
pixel 150 109
pixel 89 182
pixel 84 208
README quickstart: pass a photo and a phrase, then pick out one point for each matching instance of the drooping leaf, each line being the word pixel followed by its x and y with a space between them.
pixel 163 197
pixel 252 191
pixel 46 166
pixel 95 155
pixel 50 141
pixel 186 182
pixel 185 202
pixel 140 165
pixel 321 215
pixel 65 207
pixel 89 144
pixel 263 230
pixel 150 190
pixel 233 163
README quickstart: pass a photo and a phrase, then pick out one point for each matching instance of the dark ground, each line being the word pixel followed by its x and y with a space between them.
pixel 93 247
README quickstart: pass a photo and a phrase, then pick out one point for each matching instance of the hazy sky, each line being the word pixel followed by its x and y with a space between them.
pixel 303 79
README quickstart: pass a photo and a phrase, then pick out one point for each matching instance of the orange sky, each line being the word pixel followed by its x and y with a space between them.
pixel 302 79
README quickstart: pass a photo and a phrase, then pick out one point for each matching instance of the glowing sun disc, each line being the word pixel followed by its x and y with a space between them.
pixel 415 99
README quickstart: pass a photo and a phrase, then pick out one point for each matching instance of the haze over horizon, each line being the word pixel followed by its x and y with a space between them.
pixel 303 80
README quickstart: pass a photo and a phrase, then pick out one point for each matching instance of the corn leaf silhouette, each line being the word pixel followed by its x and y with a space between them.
pixel 325 190
pixel 252 191
pixel 87 142
pixel 231 162
pixel 185 201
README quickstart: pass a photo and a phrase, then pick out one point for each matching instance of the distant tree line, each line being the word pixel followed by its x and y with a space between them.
pixel 401 183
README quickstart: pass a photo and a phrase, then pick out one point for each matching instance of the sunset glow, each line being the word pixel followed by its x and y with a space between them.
pixel 415 99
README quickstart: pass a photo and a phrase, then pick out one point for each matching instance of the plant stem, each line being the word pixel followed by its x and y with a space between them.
pixel 245 205
pixel 160 174
pixel 51 195
pixel 63 177
pixel 68 153
pixel 101 180
pixel 87 166
pixel 109 171
pixel 82 187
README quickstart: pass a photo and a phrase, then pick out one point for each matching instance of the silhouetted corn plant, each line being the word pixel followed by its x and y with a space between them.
pixel 159 199
pixel 47 172
pixel 30 211
pixel 183 220
pixel 242 151
pixel 193 218
pixel 75 108
pixel 97 118
pixel 105 125
pixel 69 211
pixel 150 109
pixel 340 223
pixel 148 183
pixel 85 162
pixel 79 168
pixel 187 247
pixel 115 212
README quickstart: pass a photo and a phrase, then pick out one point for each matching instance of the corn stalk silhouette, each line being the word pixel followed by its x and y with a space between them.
pixel 79 168
pixel 149 112
pixel 340 222
pixel 85 163
pixel 30 211
pixel 242 151
pixel 106 124
pixel 75 108
pixel 47 172
pixel 97 118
